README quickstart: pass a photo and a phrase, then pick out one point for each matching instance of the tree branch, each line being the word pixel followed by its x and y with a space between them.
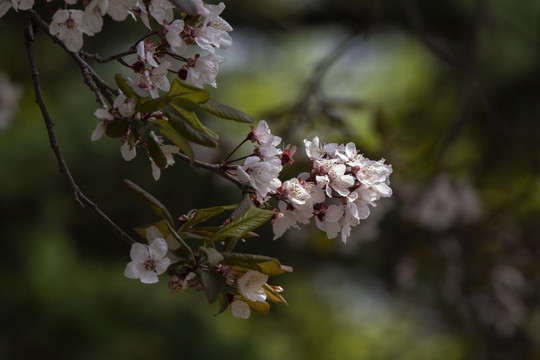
pixel 80 198
pixel 215 168
pixel 96 84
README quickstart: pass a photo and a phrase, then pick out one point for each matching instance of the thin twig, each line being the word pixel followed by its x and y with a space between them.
pixel 80 198
pixel 96 84
pixel 102 60
pixel 215 168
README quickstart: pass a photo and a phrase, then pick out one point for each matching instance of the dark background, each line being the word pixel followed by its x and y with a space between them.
pixel 447 268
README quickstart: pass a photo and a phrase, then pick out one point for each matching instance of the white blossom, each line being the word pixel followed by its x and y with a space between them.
pixel 161 10
pixel 149 81
pixel 124 105
pixel 167 150
pixel 173 31
pixel 66 24
pixel 295 192
pixel 5 5
pixel 250 285
pixel 104 116
pixel 376 176
pixel 213 31
pixel 314 150
pixel 330 222
pixel 262 135
pixel 148 261
pixel 334 177
pixel 204 70
pixel 261 174
pixel 146 51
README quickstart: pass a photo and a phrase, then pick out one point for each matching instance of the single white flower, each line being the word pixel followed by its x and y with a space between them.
pixel 173 31
pixel 262 135
pixel 147 262
pixel 168 151
pixel 161 10
pixel 104 117
pixel 149 81
pixel 124 105
pixel 250 285
pixel 146 51
pixel 261 174
pixel 66 24
pixel 295 193
pixel 313 149
pixel 376 176
pixel 335 177
pixel 213 32
pixel 203 70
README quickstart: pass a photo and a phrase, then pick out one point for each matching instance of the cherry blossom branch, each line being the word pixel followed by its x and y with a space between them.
pixel 96 84
pixel 215 168
pixel 102 60
pixel 79 196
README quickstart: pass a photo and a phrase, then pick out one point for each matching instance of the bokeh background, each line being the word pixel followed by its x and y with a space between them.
pixel 446 91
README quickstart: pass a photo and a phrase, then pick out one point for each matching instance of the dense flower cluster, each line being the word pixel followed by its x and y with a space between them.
pixel 338 190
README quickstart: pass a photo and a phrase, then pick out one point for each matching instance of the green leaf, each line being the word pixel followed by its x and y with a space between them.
pixel 142 129
pixel 156 154
pixel 223 303
pixel 154 204
pixel 126 89
pixel 168 131
pixel 251 219
pixel 181 93
pixel 214 256
pixel 149 105
pixel 214 283
pixel 263 264
pixel 226 112
pixel 201 215
pixel 193 130
pixel 204 233
pixel 117 128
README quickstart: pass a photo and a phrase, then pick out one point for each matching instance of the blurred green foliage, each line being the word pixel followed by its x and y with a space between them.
pixel 442 90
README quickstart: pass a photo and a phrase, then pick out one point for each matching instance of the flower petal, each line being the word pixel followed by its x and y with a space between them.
pixel 149 277
pixel 139 252
pixel 158 248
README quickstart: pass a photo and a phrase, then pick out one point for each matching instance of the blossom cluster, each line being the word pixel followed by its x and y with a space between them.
pixel 338 191
pixel 150 261
pixel 261 170
pixel 205 29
